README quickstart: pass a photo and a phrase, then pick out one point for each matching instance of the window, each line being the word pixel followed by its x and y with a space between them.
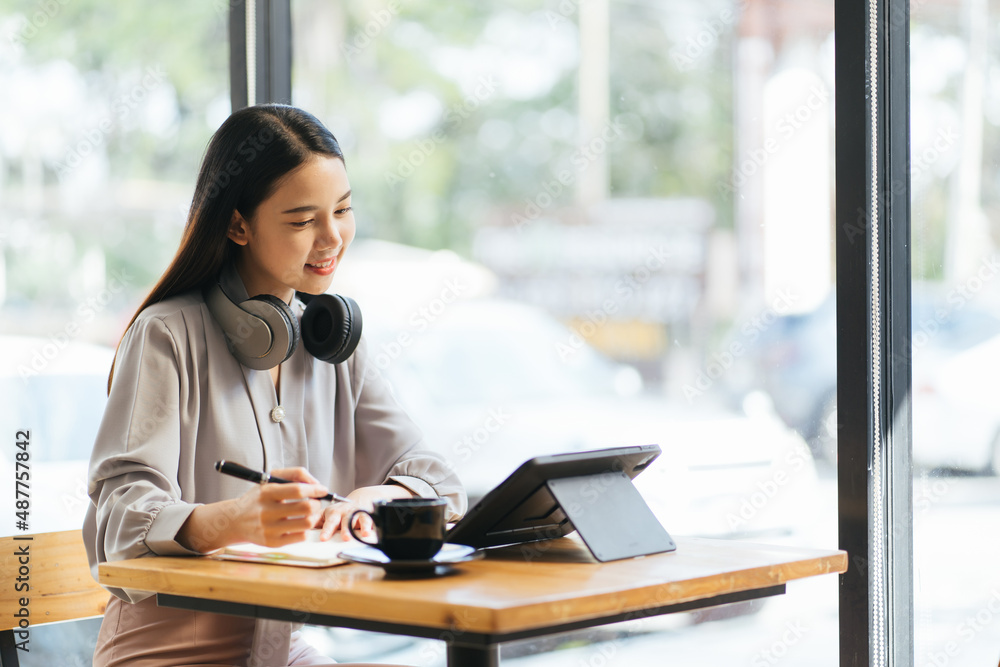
pixel 107 110
pixel 498 164
pixel 603 223
pixel 956 331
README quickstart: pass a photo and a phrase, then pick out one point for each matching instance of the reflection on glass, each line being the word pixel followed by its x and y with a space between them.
pixel 604 223
pixel 109 111
pixel 106 110
pixel 956 332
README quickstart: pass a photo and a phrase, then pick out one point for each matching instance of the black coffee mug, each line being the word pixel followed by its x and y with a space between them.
pixel 406 528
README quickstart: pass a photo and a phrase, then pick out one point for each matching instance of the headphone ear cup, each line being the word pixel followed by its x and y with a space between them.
pixel 260 332
pixel 284 329
pixel 331 327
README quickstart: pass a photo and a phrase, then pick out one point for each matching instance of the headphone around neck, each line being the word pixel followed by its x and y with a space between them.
pixel 263 331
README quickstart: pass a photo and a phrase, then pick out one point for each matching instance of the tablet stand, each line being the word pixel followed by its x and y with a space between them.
pixel 609 514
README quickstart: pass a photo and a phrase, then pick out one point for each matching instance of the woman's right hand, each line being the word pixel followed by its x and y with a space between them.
pixel 279 514
pixel 269 514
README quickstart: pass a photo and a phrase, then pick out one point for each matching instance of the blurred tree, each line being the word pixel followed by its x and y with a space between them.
pixel 112 106
pixel 457 116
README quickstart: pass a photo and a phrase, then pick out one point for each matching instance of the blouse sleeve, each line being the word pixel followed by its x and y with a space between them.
pixel 392 442
pixel 136 507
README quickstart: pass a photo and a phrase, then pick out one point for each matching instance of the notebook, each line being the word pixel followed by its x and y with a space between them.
pixel 309 553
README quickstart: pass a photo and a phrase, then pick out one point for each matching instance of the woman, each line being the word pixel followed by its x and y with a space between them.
pixel 271 217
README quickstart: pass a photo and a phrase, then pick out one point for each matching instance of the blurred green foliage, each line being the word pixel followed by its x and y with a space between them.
pixel 148 78
pixel 500 80
pixel 477 168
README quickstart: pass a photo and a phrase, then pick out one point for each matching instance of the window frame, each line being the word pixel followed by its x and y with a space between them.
pixel 262 56
pixel 874 474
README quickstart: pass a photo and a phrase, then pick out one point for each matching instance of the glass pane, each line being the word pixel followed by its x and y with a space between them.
pixel 956 331
pixel 107 109
pixel 603 223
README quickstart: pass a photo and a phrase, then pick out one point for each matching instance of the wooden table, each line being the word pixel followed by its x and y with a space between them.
pixel 517 592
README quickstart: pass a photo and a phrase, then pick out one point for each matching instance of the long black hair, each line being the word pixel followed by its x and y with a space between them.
pixel 246 159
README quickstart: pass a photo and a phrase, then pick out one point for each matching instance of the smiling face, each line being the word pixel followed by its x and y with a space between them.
pixel 297 236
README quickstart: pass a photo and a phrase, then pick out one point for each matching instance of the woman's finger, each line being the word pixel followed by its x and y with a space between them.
pixel 362 525
pixel 331 522
pixel 278 511
pixel 296 474
pixel 293 526
pixel 282 535
pixel 279 492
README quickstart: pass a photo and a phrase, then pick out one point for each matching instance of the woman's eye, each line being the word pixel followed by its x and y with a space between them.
pixel 344 210
pixel 300 224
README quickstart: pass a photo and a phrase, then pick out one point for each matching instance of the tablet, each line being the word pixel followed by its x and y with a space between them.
pixel 524 507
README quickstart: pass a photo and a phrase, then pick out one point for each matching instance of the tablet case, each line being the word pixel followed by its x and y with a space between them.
pixel 550 496
pixel 611 517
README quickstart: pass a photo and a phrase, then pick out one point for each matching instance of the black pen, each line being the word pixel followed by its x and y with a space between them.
pixel 236 470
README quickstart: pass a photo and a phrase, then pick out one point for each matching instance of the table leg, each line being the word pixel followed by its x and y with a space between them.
pixel 473 656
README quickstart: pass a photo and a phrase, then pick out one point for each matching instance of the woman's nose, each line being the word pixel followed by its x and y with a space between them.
pixel 331 236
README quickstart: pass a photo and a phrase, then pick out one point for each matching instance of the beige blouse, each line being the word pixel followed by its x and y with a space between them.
pixel 180 401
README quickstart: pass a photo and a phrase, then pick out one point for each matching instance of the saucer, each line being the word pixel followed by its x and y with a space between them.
pixel 440 564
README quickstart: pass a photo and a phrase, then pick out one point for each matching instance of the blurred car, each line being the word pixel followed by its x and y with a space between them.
pixel 794 362
pixel 493 383
pixel 956 419
pixel 56 390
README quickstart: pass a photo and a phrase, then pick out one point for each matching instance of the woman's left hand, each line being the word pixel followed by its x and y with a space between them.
pixel 336 516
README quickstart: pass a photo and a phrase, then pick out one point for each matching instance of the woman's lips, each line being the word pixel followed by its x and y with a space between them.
pixel 323 268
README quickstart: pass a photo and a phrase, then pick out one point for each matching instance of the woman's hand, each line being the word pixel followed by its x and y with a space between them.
pixel 269 514
pixel 279 514
pixel 337 515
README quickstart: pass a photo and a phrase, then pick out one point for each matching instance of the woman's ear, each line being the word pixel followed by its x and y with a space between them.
pixel 238 229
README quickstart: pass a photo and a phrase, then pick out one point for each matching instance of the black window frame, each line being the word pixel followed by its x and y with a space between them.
pixel 874 474
pixel 270 67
